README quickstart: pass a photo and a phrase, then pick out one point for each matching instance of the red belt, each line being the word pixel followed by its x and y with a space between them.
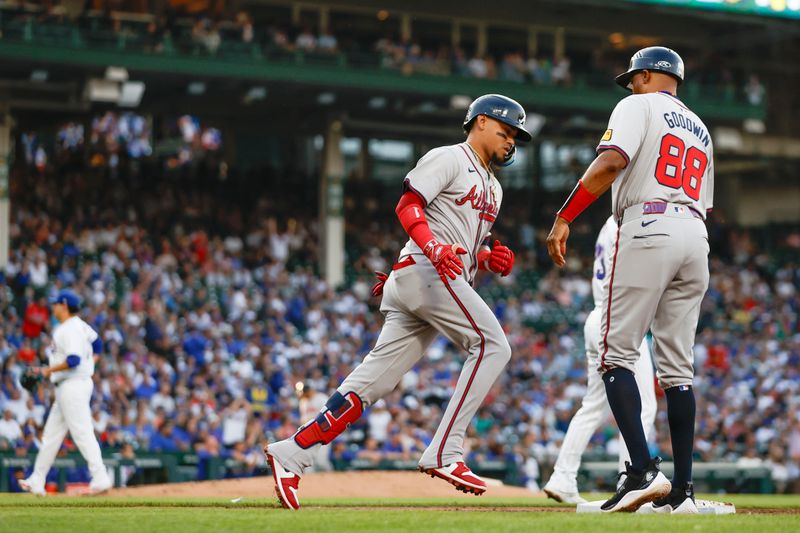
pixel 408 261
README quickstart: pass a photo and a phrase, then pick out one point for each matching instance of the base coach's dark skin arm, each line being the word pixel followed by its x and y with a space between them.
pixel 597 180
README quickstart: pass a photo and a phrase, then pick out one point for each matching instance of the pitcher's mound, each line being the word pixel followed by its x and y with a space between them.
pixel 327 485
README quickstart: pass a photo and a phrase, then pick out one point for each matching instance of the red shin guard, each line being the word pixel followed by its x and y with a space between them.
pixel 340 412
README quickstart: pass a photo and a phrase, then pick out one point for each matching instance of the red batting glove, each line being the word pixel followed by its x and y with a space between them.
pixel 444 258
pixel 500 259
pixel 377 289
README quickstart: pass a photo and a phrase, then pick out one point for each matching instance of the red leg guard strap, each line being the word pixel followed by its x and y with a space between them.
pixel 340 412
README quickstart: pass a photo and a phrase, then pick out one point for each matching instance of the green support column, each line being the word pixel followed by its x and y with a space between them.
pixel 455 34
pixel 5 207
pixel 331 206
pixel 559 43
pixel 533 42
pixel 296 13
pixel 482 46
pixel 405 27
pixel 324 19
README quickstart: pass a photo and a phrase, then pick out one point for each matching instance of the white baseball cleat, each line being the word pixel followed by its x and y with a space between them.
pixel 563 496
pixel 101 487
pixel 35 489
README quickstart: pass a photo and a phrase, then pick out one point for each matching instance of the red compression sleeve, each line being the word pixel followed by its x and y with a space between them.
pixel 578 200
pixel 412 216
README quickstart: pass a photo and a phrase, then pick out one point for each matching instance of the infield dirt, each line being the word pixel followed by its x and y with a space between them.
pixel 327 485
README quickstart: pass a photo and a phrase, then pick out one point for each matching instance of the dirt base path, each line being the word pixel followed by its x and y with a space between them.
pixel 327 485
pixel 330 485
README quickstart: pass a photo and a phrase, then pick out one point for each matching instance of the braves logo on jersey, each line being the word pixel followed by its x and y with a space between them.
pixel 460 205
pixel 479 202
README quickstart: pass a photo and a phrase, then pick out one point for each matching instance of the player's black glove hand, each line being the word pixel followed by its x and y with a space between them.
pixel 31 378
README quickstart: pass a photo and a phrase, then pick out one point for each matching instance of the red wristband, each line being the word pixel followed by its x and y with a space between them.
pixel 578 200
pixel 483 259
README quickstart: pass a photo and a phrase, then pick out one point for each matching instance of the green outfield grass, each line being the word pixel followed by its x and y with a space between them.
pixel 485 515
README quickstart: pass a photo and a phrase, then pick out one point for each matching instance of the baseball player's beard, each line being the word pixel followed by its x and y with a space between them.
pixel 497 160
pixel 504 160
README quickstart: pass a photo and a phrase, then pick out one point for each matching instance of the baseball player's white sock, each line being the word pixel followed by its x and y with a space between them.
pixel 90 449
pixel 292 457
pixel 594 408
pixel 563 481
pixel 78 417
pixel 55 429
pixel 565 471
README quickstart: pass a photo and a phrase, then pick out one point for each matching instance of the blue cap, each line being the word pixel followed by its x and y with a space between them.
pixel 68 298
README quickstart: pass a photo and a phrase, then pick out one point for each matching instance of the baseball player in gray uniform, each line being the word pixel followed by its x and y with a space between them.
pixel 657 157
pixel 450 203
pixel 563 484
pixel 71 358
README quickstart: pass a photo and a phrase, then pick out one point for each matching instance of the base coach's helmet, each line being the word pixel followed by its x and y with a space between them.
pixel 500 108
pixel 655 58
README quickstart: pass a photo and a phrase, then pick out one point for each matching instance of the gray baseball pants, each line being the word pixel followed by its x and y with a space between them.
pixel 658 279
pixel 417 307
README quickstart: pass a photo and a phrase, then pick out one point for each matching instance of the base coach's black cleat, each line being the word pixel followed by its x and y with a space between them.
pixel 680 500
pixel 639 488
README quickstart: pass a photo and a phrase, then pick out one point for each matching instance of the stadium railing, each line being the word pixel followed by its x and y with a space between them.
pixel 708 477
pixel 148 468
pixel 129 46
pixel 153 469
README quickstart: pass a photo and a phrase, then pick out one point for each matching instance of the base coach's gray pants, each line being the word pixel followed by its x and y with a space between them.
pixel 658 279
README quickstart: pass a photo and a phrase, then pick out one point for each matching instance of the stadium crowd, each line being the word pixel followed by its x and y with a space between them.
pixel 220 335
pixel 221 30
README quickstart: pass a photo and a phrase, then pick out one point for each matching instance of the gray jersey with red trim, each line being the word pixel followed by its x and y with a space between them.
pixel 668 150
pixel 461 201
pixel 461 198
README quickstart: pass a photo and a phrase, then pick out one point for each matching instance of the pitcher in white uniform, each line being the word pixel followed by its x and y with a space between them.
pixel 657 157
pixel 71 366
pixel 451 200
pixel 563 484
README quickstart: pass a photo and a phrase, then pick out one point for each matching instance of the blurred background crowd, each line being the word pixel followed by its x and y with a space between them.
pixel 169 161
pixel 219 334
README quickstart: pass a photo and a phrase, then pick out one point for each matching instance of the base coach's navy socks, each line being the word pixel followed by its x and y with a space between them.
pixel 680 413
pixel 626 404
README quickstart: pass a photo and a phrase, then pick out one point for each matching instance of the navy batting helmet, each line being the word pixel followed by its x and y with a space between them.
pixel 500 108
pixel 656 58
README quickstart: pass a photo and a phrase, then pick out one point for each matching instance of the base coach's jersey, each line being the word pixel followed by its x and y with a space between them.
pixel 668 151
pixel 461 198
